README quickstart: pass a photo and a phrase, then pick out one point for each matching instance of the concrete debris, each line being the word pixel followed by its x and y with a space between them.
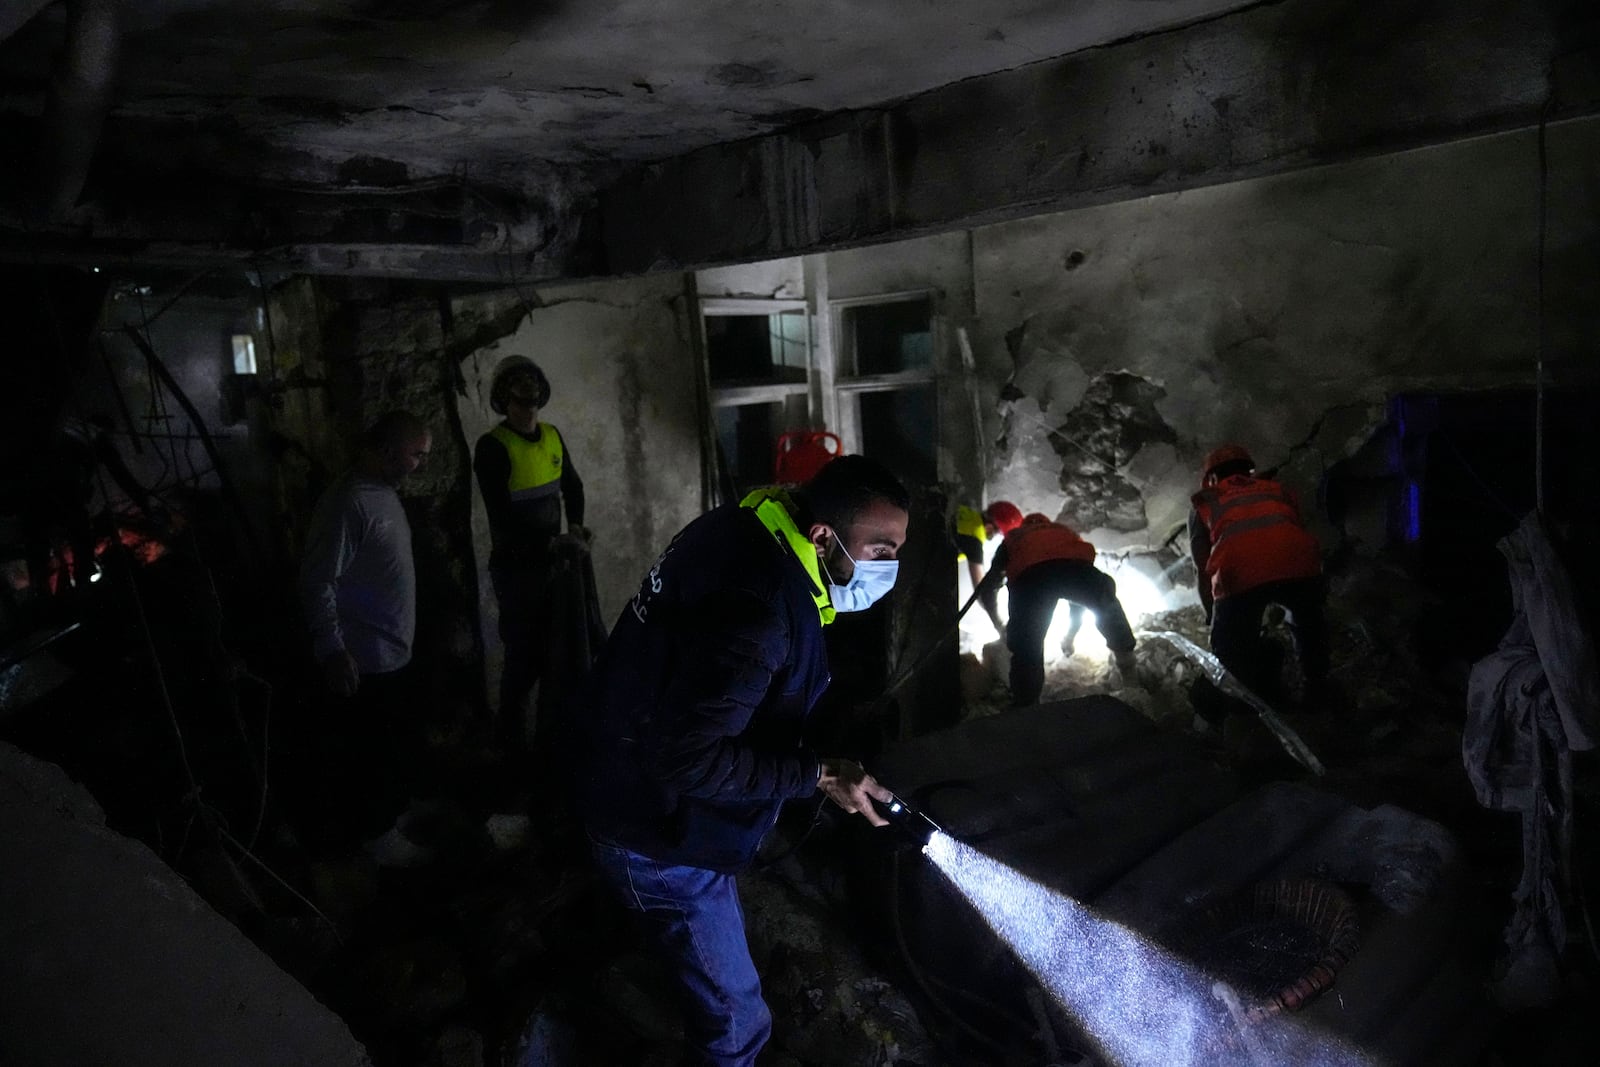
pixel 829 1004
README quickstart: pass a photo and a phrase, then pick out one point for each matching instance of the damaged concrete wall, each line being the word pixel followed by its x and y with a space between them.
pixel 1116 344
pixel 622 377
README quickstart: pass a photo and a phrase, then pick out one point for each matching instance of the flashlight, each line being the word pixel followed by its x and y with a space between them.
pixel 907 820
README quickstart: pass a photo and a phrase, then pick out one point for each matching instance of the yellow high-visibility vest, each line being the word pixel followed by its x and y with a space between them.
pixel 969 523
pixel 772 508
pixel 535 465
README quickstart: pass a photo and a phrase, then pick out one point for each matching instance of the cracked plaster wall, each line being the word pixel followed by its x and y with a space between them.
pixel 1264 310
pixel 622 378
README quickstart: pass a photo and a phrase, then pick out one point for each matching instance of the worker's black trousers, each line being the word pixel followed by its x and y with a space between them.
pixel 1034 596
pixel 522 595
pixel 1237 640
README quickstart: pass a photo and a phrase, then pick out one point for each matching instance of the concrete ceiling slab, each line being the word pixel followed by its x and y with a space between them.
pixel 330 90
pixel 507 141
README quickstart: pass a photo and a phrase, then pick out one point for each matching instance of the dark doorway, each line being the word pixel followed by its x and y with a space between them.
pixel 1467 479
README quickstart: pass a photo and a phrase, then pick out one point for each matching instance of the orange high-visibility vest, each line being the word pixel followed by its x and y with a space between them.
pixel 1034 543
pixel 1256 535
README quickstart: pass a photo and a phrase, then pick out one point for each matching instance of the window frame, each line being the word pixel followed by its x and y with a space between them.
pixel 848 388
pixel 736 396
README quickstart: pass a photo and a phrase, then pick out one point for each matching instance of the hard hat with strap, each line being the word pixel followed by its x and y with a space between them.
pixel 1229 453
pixel 1005 515
pixel 512 371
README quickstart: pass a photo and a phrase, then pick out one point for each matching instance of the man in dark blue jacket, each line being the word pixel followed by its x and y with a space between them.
pixel 696 722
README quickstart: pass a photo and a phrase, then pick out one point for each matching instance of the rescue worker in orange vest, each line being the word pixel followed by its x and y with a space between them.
pixel 1252 549
pixel 1043 563
pixel 526 475
pixel 973 528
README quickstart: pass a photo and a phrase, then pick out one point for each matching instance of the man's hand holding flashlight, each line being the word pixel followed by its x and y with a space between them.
pixel 847 784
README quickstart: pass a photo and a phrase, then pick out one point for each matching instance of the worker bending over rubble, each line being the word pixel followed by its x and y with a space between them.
pixel 1042 564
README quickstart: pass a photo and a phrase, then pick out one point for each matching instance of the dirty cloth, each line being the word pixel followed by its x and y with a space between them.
pixel 1530 704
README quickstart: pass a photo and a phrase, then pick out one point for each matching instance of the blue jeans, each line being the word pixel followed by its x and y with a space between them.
pixel 693 920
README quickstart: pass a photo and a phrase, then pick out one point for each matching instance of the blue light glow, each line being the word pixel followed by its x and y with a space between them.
pixel 1413 512
pixel 1141 1004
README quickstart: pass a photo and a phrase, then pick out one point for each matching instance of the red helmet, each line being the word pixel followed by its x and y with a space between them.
pixel 1005 515
pixel 1224 454
pixel 1037 518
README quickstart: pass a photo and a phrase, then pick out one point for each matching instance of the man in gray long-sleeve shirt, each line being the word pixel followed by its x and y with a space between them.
pixel 358 589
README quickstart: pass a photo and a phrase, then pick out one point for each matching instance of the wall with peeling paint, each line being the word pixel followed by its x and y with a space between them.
pixel 1114 345
pixel 622 376
pixel 1118 343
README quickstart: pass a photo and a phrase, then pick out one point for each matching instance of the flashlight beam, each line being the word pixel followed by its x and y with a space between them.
pixel 1224 992
pixel 1142 1006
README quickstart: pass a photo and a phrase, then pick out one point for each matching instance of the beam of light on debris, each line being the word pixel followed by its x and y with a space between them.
pixel 1143 1006
pixel 1136 591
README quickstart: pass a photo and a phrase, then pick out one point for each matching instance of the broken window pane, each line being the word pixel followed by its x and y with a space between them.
pixel 888 338
pixel 900 429
pixel 244 354
pixel 746 349
pixel 747 436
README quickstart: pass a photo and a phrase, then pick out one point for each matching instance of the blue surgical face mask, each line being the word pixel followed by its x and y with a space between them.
pixel 871 579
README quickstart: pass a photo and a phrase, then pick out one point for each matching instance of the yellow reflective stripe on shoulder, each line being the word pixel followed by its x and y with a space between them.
pixel 772 508
pixel 535 465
